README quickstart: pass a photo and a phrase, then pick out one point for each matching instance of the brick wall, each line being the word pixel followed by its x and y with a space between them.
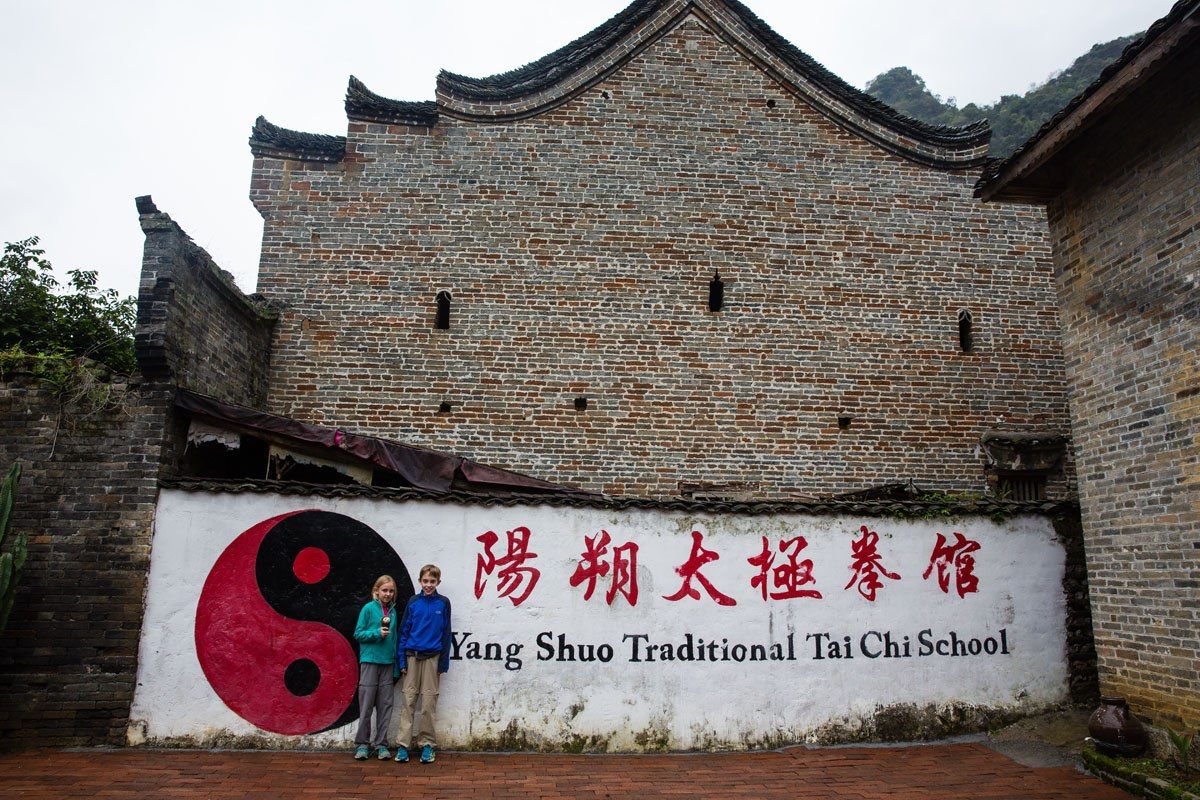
pixel 68 657
pixel 578 246
pixel 195 327
pixel 86 498
pixel 1127 254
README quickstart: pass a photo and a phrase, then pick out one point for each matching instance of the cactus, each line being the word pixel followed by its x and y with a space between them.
pixel 13 556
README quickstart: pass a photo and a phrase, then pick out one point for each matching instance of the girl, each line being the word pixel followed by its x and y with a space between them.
pixel 376 634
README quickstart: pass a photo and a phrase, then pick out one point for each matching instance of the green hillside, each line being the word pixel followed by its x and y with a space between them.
pixel 1014 117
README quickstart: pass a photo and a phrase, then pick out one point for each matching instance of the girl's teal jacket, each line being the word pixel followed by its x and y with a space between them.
pixel 373 648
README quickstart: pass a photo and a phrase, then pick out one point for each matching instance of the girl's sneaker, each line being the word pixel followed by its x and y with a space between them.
pixel 427 754
pixel 402 754
pixel 362 753
pixel 384 754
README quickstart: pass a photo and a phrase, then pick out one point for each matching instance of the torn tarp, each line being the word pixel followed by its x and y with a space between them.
pixel 426 469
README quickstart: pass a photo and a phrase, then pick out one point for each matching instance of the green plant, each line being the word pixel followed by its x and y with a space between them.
pixel 70 340
pixel 1182 742
pixel 1014 118
pixel 38 316
pixel 13 558
pixel 82 387
pixel 937 506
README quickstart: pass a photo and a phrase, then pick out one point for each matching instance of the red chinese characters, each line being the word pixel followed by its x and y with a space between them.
pixel 868 565
pixel 786 578
pixel 516 580
pixel 594 564
pixel 954 560
pixel 690 570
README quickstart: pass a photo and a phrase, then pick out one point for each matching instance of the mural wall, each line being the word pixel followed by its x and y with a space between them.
pixel 596 628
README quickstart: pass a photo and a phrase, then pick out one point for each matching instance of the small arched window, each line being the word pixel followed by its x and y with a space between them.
pixel 716 293
pixel 966 333
pixel 442 320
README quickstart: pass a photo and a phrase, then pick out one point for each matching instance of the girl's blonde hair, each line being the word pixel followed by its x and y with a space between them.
pixel 380 581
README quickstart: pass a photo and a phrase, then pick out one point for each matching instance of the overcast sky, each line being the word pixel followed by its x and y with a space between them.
pixel 108 100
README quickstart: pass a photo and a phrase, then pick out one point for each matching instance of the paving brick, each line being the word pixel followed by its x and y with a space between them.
pixel 938 772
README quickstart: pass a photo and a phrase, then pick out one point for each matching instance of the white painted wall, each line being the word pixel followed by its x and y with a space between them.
pixel 625 704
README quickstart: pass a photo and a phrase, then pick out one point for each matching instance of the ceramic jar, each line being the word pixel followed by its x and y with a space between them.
pixel 1115 730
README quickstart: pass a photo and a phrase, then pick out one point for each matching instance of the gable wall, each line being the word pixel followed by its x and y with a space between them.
pixel 578 246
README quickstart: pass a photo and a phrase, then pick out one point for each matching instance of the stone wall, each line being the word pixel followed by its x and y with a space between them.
pixel 1127 236
pixel 68 657
pixel 578 245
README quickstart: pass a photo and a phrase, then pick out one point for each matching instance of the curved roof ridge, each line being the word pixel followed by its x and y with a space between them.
pixel 363 104
pixel 550 68
pixel 576 55
pixel 268 139
pixel 977 132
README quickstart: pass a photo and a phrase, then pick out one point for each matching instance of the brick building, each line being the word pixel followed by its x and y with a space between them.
pixel 1119 171
pixel 676 260
pixel 675 257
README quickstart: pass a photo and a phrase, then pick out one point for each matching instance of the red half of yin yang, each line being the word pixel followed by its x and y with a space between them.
pixel 275 620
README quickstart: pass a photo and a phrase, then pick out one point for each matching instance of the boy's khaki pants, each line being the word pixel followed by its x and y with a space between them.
pixel 421 680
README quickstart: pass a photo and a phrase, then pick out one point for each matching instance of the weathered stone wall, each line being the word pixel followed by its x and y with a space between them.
pixel 68 658
pixel 1127 236
pixel 1081 645
pixel 578 246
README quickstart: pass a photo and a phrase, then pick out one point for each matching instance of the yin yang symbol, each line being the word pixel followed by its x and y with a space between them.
pixel 275 620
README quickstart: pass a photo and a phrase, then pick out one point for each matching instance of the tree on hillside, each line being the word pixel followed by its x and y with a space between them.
pixel 1014 118
pixel 903 90
pixel 39 317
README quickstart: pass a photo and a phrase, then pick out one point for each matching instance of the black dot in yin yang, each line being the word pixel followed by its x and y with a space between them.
pixel 301 677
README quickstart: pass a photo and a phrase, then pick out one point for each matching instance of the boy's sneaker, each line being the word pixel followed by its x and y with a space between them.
pixel 384 754
pixel 427 754
pixel 402 754
pixel 362 753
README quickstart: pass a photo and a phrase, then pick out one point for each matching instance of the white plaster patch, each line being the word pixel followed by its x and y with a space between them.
pixel 533 692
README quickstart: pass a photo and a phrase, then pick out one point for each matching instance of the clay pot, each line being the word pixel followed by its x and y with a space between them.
pixel 1115 730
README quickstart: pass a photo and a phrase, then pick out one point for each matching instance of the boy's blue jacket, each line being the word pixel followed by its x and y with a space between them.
pixel 425 629
pixel 373 648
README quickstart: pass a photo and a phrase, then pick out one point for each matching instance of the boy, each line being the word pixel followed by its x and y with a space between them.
pixel 422 655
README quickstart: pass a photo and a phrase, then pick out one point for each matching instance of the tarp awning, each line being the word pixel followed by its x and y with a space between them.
pixel 427 469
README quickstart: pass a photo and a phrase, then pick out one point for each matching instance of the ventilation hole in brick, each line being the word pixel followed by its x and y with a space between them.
pixel 966 333
pixel 445 407
pixel 771 103
pixel 606 95
pixel 442 322
pixel 581 403
pixel 844 421
pixel 716 293
pixel 1022 486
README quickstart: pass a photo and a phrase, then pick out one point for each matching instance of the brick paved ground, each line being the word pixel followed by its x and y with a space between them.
pixel 930 773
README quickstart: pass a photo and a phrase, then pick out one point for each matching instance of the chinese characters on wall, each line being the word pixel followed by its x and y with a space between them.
pixel 779 570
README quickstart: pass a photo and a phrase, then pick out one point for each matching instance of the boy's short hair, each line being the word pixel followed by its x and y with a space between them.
pixel 430 569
